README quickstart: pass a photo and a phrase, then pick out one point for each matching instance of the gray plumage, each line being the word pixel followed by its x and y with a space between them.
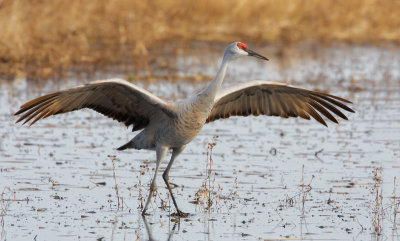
pixel 168 125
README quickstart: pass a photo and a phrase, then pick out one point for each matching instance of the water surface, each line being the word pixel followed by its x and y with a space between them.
pixel 270 178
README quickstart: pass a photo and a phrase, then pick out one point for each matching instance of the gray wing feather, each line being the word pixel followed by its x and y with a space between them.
pixel 115 98
pixel 276 99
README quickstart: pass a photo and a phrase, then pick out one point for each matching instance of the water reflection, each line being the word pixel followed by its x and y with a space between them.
pixel 149 230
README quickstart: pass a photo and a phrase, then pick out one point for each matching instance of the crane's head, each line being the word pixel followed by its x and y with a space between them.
pixel 238 49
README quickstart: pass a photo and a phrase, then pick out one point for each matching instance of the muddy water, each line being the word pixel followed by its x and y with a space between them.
pixel 269 178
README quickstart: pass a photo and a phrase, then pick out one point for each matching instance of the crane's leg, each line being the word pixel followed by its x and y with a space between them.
pixel 160 153
pixel 175 153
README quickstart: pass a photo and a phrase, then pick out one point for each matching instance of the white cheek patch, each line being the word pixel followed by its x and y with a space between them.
pixel 243 52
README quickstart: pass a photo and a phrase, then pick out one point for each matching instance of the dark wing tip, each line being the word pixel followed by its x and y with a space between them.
pixel 18 112
pixel 334 100
pixel 350 109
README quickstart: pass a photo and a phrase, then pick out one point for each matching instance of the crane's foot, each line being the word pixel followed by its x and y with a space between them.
pixel 144 213
pixel 181 214
pixel 174 185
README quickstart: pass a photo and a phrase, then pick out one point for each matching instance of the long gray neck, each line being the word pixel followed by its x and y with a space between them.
pixel 212 88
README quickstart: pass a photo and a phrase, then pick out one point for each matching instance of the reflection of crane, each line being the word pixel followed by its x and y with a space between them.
pixel 173 125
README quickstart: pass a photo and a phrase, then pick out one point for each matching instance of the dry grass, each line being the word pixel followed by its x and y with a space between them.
pixel 378 212
pixel 396 205
pixel 44 38
pixel 113 159
pixel 206 196
pixel 7 196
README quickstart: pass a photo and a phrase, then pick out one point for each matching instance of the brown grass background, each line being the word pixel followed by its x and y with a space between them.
pixel 44 38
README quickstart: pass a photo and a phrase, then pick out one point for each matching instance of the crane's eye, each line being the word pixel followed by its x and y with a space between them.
pixel 242 46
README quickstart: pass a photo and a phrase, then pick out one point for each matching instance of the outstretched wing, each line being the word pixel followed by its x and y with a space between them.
pixel 115 98
pixel 276 99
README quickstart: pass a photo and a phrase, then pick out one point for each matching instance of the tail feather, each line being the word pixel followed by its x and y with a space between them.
pixel 125 146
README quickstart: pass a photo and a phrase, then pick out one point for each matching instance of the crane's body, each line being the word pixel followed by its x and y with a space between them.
pixel 172 125
pixel 174 131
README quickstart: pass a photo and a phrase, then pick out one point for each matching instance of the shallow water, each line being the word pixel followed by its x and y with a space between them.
pixel 270 178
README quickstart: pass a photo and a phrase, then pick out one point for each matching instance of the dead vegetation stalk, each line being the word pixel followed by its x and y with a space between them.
pixel 113 159
pixel 303 198
pixel 143 170
pixel 396 204
pixel 3 213
pixel 5 203
pixel 206 195
pixel 378 210
pixel 305 191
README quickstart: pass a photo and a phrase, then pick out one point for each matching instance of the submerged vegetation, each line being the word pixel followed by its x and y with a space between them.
pixel 45 38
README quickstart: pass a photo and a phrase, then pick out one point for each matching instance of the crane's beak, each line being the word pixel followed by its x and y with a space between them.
pixel 254 54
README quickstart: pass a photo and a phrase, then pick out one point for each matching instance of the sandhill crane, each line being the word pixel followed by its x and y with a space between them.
pixel 167 125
